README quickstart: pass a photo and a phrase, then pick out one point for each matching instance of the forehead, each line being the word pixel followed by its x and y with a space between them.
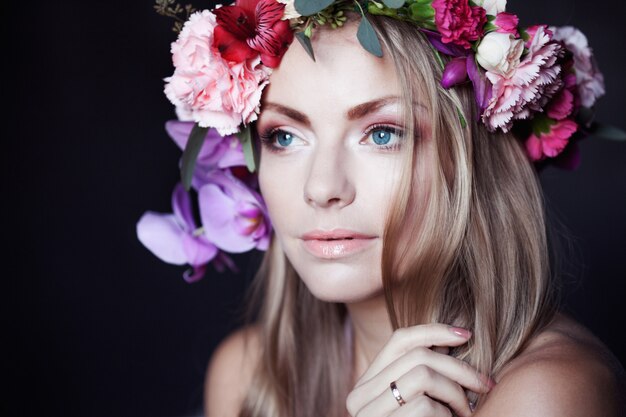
pixel 342 75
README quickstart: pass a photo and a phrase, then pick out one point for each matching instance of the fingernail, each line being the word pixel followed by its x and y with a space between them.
pixel 461 332
pixel 472 406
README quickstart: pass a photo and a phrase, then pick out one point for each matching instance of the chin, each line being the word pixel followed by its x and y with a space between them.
pixel 334 282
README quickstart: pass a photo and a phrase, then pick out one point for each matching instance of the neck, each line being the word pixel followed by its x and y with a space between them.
pixel 372 329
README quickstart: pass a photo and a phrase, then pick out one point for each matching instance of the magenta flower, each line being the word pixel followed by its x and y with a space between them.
pixel 552 143
pixel 507 23
pixel 455 72
pixel 234 216
pixel 175 239
pixel 458 22
pixel 561 106
pixel 530 87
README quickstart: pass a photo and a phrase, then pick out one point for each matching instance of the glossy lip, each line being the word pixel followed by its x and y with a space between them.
pixel 337 243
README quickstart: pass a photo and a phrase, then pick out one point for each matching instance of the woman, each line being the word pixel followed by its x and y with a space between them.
pixel 408 271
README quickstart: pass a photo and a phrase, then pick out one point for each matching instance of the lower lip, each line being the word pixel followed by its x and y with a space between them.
pixel 334 249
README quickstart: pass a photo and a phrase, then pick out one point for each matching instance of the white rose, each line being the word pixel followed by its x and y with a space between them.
pixel 500 53
pixel 290 10
pixel 493 7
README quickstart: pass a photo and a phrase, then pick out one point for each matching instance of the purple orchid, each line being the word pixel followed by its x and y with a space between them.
pixel 217 151
pixel 460 67
pixel 175 239
pixel 234 216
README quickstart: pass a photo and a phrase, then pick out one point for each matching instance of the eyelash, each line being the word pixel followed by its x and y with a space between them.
pixel 267 137
pixel 390 129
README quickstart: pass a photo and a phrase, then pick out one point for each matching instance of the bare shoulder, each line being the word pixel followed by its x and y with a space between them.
pixel 565 371
pixel 230 372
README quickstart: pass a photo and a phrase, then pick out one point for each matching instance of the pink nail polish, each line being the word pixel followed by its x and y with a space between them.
pixel 472 406
pixel 461 332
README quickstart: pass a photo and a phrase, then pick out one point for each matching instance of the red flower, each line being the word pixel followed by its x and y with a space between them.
pixel 458 22
pixel 252 27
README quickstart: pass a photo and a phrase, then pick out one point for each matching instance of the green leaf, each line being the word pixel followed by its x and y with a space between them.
pixel 394 4
pixel 310 7
pixel 190 154
pixel 245 137
pixel 368 39
pixel 420 12
pixel 607 132
pixel 542 124
pixel 305 41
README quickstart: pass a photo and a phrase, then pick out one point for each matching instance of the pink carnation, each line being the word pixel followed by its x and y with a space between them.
pixel 458 22
pixel 206 88
pixel 588 77
pixel 552 143
pixel 529 88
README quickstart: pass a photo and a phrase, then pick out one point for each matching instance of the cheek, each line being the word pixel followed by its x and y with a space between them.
pixel 281 190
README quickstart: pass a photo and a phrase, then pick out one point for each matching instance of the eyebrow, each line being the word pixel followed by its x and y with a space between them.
pixel 357 112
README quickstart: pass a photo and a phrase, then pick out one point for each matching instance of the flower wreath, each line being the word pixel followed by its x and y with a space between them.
pixel 539 82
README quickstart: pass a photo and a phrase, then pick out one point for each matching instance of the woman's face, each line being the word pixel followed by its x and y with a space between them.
pixel 331 158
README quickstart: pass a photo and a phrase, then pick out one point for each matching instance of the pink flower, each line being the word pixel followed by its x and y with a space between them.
pixel 458 22
pixel 588 77
pixel 507 23
pixel 552 143
pixel 529 88
pixel 206 88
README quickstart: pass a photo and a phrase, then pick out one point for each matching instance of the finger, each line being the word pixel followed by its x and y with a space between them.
pixel 422 407
pixel 441 349
pixel 420 381
pixel 404 339
pixel 455 369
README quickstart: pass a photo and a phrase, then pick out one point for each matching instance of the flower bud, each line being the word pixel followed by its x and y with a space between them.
pixel 500 53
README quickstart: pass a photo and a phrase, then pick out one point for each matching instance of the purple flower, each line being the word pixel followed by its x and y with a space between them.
pixel 217 151
pixel 174 238
pixel 589 79
pixel 234 216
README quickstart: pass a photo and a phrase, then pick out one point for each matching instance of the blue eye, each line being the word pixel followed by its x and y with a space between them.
pixel 386 137
pixel 284 138
pixel 381 136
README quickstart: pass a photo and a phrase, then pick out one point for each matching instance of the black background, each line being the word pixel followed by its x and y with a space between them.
pixel 95 325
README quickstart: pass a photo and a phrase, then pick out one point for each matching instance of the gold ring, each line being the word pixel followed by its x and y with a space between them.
pixel 396 393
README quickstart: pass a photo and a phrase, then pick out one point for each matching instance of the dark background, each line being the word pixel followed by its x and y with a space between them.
pixel 95 325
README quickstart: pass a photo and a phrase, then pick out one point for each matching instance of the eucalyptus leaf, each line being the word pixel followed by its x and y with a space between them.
pixel 608 132
pixel 310 7
pixel 305 41
pixel 368 39
pixel 190 154
pixel 245 137
pixel 394 4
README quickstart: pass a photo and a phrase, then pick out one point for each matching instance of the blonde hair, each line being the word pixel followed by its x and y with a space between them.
pixel 474 253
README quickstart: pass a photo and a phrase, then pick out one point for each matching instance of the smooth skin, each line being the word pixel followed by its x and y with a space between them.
pixel 328 172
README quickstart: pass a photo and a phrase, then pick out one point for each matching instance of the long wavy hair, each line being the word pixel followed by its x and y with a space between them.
pixel 473 253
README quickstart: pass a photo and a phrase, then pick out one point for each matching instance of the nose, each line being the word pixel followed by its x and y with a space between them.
pixel 329 182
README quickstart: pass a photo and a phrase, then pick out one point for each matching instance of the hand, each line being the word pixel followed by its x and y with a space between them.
pixel 431 383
